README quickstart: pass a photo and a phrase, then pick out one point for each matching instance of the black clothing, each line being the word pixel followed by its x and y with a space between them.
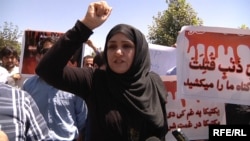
pixel 122 107
pixel 237 114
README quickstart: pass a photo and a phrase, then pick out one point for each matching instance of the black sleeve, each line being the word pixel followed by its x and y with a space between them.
pixel 52 67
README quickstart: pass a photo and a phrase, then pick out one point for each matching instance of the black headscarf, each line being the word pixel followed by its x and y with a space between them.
pixel 139 89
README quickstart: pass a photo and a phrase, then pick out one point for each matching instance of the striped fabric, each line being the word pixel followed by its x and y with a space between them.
pixel 20 118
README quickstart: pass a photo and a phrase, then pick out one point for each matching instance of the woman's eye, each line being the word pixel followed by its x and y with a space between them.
pixel 128 46
pixel 116 46
pixel 111 47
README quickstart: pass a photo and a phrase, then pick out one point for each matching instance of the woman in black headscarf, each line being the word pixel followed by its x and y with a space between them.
pixel 126 101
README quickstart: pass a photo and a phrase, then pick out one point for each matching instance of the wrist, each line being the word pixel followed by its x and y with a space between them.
pixel 87 24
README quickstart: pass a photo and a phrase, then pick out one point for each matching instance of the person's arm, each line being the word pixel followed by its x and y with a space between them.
pixel 52 67
pixel 90 44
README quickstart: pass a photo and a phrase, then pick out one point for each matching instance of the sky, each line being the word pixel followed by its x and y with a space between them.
pixel 61 15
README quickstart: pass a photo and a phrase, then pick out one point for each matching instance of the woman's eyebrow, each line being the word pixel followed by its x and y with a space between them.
pixel 123 41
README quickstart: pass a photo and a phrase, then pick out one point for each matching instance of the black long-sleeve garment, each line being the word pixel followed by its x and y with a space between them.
pixel 109 118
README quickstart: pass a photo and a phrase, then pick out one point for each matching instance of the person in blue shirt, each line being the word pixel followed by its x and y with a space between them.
pixel 20 118
pixel 64 112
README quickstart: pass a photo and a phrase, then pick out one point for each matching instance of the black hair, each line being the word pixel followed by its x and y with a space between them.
pixel 99 59
pixel 87 56
pixel 7 51
pixel 44 40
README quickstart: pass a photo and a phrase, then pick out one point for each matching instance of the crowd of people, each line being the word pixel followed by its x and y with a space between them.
pixel 81 106
pixel 125 86
pixel 64 113
pixel 112 96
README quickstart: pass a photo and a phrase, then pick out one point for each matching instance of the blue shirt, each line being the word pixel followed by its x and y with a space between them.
pixel 20 118
pixel 64 112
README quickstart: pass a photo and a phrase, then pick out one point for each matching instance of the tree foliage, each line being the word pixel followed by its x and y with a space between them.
pixel 168 23
pixel 243 26
pixel 9 35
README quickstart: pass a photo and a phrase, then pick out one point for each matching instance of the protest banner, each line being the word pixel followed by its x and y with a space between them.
pixel 213 64
pixel 31 43
pixel 30 46
pixel 162 58
pixel 192 116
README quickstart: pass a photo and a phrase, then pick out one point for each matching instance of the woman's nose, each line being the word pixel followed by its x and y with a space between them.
pixel 119 51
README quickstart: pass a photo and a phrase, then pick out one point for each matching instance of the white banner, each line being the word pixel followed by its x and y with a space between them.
pixel 214 64
pixel 191 116
pixel 163 58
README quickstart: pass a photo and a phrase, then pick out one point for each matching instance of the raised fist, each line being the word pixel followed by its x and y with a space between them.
pixel 97 14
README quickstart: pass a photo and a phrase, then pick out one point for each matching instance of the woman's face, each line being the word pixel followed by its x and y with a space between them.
pixel 120 53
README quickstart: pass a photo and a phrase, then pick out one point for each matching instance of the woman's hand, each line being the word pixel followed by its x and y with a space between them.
pixel 97 14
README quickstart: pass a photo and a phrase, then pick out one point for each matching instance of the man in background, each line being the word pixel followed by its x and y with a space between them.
pixel 20 118
pixel 64 112
pixel 88 61
pixel 9 58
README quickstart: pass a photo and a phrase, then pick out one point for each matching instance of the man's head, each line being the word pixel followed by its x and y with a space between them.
pixel 45 45
pixel 99 61
pixel 9 57
pixel 88 61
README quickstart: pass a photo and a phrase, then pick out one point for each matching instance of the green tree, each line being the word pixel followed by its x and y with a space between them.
pixel 168 23
pixel 9 35
pixel 243 26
